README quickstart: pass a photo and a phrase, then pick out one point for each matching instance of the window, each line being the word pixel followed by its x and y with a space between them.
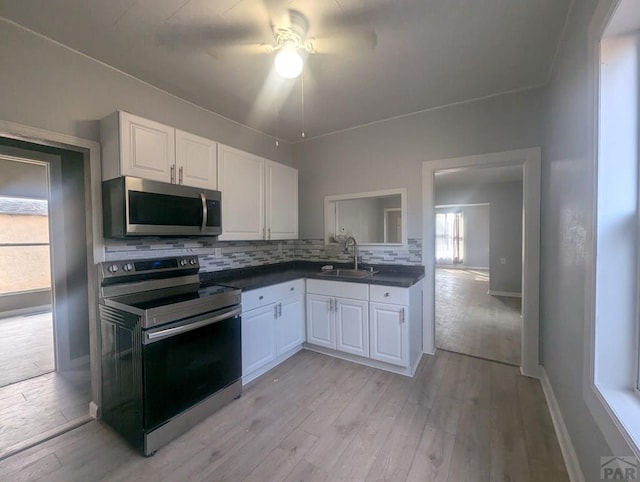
pixel 612 377
pixel 449 238
pixel 24 245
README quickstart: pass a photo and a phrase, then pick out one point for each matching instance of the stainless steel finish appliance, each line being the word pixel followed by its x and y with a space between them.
pixel 171 348
pixel 138 207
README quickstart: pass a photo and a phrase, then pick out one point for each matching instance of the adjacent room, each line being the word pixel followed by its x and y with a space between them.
pixel 256 240
pixel 478 298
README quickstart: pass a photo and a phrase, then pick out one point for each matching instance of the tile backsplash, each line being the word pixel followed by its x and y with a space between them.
pixel 221 255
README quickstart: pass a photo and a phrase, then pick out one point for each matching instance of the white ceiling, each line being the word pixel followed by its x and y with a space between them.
pixel 475 176
pixel 429 53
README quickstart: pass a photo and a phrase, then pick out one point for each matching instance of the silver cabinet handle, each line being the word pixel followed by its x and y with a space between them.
pixel 330 304
pixel 180 175
pixel 279 309
pixel 205 212
pixel 172 174
pixel 402 315
pixel 275 311
pixel 260 297
pixel 264 233
pixel 386 295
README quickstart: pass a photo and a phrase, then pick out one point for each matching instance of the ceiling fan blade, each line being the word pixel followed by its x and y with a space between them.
pixel 206 35
pixel 355 40
pixel 385 13
pixel 278 14
pixel 239 49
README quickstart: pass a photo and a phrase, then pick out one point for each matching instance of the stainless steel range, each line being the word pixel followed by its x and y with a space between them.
pixel 171 348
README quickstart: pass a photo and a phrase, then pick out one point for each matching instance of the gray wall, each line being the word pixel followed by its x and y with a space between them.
pixel 48 86
pixel 566 197
pixel 476 234
pixel 505 229
pixel 389 154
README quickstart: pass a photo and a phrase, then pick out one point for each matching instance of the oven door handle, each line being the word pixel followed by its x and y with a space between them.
pixel 168 332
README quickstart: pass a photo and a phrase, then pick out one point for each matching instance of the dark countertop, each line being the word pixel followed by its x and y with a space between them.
pixel 260 276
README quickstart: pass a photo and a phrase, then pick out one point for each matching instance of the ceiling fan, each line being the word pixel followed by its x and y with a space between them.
pixel 290 40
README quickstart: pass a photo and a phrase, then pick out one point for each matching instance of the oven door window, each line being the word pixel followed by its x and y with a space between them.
pixel 184 369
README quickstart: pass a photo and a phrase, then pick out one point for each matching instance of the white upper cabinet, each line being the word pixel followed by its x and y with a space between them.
pixel 281 201
pixel 259 197
pixel 241 182
pixel 196 161
pixel 134 146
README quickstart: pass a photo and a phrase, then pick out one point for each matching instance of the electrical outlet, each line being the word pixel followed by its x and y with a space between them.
pixel 279 247
pixel 217 252
pixel 503 260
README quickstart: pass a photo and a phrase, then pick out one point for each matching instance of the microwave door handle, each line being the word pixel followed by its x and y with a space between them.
pixel 205 213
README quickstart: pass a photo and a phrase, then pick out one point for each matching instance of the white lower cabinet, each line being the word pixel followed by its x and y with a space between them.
pixel 380 325
pixel 272 326
pixel 352 326
pixel 320 326
pixel 389 341
pixel 290 324
pixel 258 338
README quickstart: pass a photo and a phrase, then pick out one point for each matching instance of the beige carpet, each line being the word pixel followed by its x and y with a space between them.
pixel 470 321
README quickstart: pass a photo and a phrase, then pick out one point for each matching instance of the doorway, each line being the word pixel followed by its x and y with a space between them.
pixel 529 161
pixel 25 286
pixel 46 325
pixel 478 249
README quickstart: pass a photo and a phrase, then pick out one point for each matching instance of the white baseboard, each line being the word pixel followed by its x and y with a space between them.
pixel 462 266
pixel 511 294
pixel 564 439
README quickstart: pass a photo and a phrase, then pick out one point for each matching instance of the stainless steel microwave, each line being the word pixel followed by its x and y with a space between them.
pixel 138 207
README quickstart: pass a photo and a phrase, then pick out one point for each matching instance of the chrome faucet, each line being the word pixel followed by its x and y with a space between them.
pixel 351 241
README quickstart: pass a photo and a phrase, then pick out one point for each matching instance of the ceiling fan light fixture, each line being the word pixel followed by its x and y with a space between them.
pixel 288 63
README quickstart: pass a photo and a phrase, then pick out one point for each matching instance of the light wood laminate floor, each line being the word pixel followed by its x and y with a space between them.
pixel 316 417
pixel 26 347
pixel 470 321
pixel 42 405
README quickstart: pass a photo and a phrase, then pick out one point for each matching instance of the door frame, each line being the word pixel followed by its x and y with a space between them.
pixel 93 195
pixel 530 160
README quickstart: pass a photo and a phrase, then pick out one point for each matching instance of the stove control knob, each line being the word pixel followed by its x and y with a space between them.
pixel 127 267
pixel 113 268
pixel 193 261
pixel 183 262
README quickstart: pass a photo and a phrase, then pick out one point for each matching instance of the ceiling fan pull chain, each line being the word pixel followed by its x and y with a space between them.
pixel 302 100
pixel 277 89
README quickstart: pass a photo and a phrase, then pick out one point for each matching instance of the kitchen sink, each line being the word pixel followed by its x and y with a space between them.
pixel 348 273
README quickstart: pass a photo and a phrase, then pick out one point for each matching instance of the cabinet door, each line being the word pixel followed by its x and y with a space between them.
pixel 241 181
pixel 196 161
pixel 320 326
pixel 258 338
pixel 352 326
pixel 290 324
pixel 281 201
pixel 147 148
pixel 388 333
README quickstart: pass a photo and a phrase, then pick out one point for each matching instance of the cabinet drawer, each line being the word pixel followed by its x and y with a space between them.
pixel 340 289
pixel 389 294
pixel 271 294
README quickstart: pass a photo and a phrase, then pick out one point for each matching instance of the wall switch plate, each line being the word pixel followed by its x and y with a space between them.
pixel 503 260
